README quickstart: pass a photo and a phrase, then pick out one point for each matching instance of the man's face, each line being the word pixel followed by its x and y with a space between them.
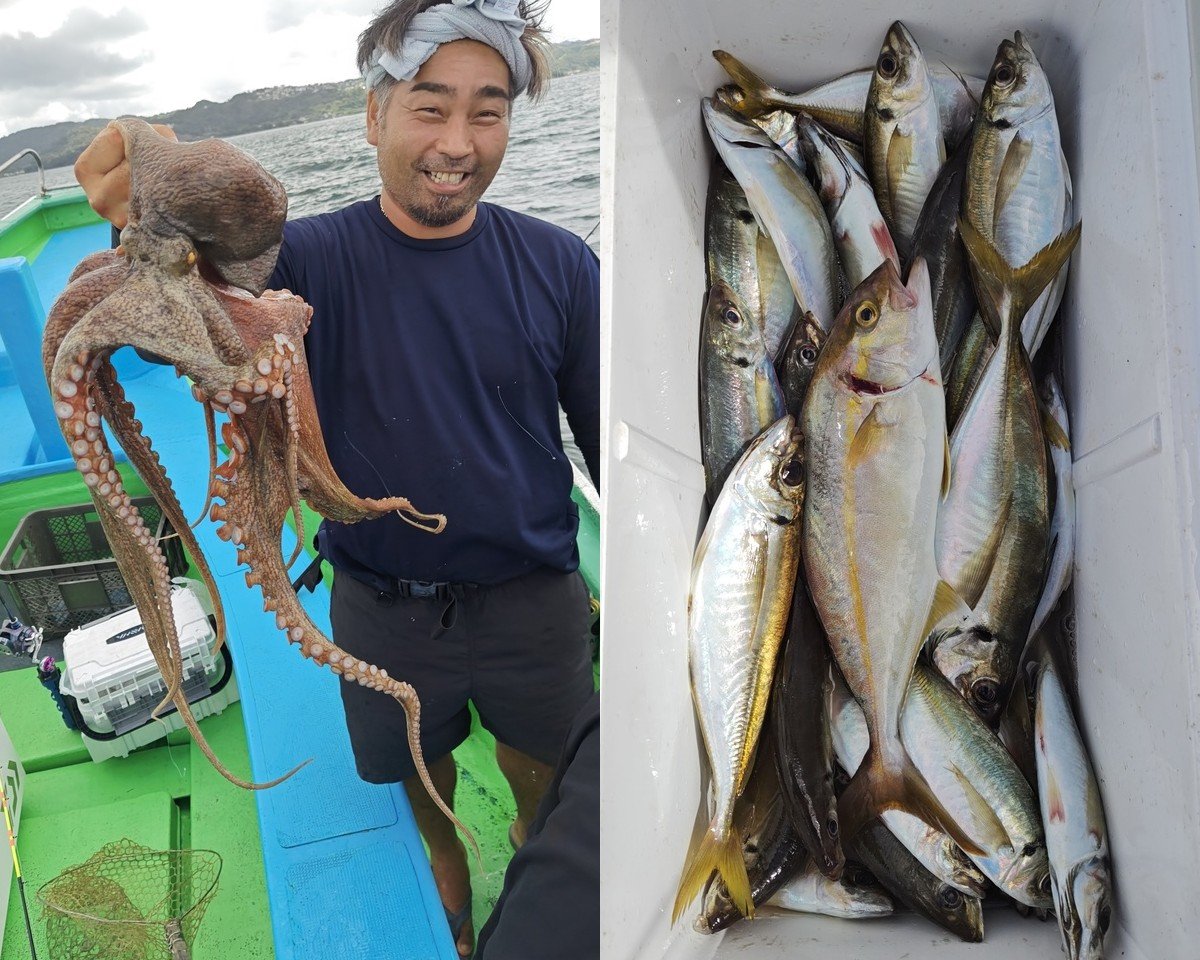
pixel 442 135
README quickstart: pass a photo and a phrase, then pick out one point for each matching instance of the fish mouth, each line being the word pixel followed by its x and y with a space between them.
pixel 870 387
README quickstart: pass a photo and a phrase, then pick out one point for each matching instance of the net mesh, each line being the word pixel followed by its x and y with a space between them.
pixel 129 902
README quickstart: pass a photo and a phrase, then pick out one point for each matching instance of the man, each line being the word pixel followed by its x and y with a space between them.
pixel 445 333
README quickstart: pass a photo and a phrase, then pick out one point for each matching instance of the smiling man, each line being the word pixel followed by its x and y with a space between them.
pixel 445 334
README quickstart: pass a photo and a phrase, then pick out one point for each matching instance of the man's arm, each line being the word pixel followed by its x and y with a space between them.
pixel 579 374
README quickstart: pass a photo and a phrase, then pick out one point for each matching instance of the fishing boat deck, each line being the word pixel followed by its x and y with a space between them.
pixel 322 865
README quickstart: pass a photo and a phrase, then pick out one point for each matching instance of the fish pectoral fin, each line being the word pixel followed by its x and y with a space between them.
pixel 868 437
pixel 899 158
pixel 945 466
pixel 946 604
pixel 1016 159
pixel 878 787
pixel 985 820
pixel 974 576
pixel 1055 434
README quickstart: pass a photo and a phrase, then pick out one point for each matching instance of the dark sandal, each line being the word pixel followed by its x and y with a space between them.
pixel 457 921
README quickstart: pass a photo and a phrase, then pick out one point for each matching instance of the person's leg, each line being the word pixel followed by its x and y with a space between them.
pixel 405 637
pixel 528 779
pixel 532 671
pixel 447 854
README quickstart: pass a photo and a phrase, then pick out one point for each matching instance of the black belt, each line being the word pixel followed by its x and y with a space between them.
pixel 444 593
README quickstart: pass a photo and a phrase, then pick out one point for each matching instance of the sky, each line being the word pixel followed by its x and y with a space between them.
pixel 66 60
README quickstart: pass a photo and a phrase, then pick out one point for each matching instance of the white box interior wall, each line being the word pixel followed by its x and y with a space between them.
pixel 1127 104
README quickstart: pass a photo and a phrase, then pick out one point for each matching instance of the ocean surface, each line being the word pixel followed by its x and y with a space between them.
pixel 551 169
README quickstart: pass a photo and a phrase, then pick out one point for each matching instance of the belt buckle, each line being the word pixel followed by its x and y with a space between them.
pixel 422 590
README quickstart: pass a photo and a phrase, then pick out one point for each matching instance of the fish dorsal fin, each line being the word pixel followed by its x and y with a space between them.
pixel 1016 159
pixel 946 603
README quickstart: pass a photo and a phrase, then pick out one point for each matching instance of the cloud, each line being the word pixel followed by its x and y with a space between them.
pixel 282 14
pixel 72 59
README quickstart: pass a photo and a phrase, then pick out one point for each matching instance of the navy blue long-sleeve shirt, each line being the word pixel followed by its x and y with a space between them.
pixel 438 367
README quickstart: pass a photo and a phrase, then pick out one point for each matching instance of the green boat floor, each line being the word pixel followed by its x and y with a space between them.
pixel 52 843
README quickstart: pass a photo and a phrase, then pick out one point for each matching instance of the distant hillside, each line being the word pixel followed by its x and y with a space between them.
pixel 60 143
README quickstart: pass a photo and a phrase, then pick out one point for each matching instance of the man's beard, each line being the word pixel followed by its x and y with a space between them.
pixel 434 211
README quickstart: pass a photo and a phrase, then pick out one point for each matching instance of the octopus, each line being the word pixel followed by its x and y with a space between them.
pixel 188 285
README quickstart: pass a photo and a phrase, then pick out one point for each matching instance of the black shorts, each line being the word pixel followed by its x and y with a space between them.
pixel 520 650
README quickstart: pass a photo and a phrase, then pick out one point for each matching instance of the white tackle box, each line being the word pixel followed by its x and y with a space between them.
pixel 1123 76
pixel 110 673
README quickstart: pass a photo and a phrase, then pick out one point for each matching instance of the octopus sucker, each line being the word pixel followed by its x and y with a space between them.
pixel 204 230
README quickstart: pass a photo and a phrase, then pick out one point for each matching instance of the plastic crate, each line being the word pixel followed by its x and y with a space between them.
pixel 58 571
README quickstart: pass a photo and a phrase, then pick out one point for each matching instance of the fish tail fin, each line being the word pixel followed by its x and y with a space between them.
pixel 879 786
pixel 755 89
pixel 997 281
pixel 723 855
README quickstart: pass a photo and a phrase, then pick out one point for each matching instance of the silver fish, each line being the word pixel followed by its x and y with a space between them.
pixel 786 206
pixel 740 395
pixel 838 104
pixel 741 589
pixel 875 447
pixel 902 134
pixel 1073 815
pixel 862 238
pixel 742 256
pixel 813 892
pixel 934 849
pixel 1018 189
pixel 993 527
pixel 1062 523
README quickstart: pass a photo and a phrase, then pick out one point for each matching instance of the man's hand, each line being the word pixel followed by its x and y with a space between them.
pixel 103 172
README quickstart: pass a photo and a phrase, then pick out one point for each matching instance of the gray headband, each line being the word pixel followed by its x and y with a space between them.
pixel 494 22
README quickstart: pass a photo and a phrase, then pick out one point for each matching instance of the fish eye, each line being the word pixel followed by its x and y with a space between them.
pixel 1005 75
pixel 792 474
pixel 731 316
pixel 889 66
pixel 985 691
pixel 948 898
pixel 832 828
pixel 867 315
pixel 808 353
pixel 1105 919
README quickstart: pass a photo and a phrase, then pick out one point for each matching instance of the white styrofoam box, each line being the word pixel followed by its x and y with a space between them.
pixel 109 670
pixel 1126 100
pixel 12 779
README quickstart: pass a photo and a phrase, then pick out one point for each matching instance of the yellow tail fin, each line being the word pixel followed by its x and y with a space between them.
pixel 725 857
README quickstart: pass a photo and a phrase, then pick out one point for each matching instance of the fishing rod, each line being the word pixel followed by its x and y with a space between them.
pixel 12 845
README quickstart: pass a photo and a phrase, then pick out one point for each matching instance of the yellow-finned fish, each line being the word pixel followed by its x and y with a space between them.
pixel 875 450
pixel 742 576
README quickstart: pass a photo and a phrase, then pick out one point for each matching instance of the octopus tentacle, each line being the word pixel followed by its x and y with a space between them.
pixel 204 221
pixel 210 431
pixel 252 517
pixel 113 406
